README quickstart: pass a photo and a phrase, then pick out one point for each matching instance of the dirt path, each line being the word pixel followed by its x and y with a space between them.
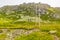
pixel 18 32
pixel 55 37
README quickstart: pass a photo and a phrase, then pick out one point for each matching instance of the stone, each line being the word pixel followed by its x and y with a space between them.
pixel 52 31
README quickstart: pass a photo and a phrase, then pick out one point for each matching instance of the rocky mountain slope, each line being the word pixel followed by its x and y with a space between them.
pixel 29 21
pixel 43 11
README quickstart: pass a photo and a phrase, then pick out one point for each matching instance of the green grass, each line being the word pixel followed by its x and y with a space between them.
pixel 44 28
pixel 2 36
pixel 36 36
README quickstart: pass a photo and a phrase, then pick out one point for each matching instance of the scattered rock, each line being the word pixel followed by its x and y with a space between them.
pixel 52 31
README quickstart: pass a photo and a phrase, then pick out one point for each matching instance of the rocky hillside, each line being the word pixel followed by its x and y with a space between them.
pixel 29 21
pixel 44 11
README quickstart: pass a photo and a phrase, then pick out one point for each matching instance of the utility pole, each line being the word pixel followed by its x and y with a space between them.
pixel 37 16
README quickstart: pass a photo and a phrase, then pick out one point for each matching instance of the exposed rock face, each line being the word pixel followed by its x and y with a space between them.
pixel 56 16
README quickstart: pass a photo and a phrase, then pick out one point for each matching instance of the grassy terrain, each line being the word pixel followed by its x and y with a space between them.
pixel 43 27
pixel 2 36
pixel 36 36
pixel 23 16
